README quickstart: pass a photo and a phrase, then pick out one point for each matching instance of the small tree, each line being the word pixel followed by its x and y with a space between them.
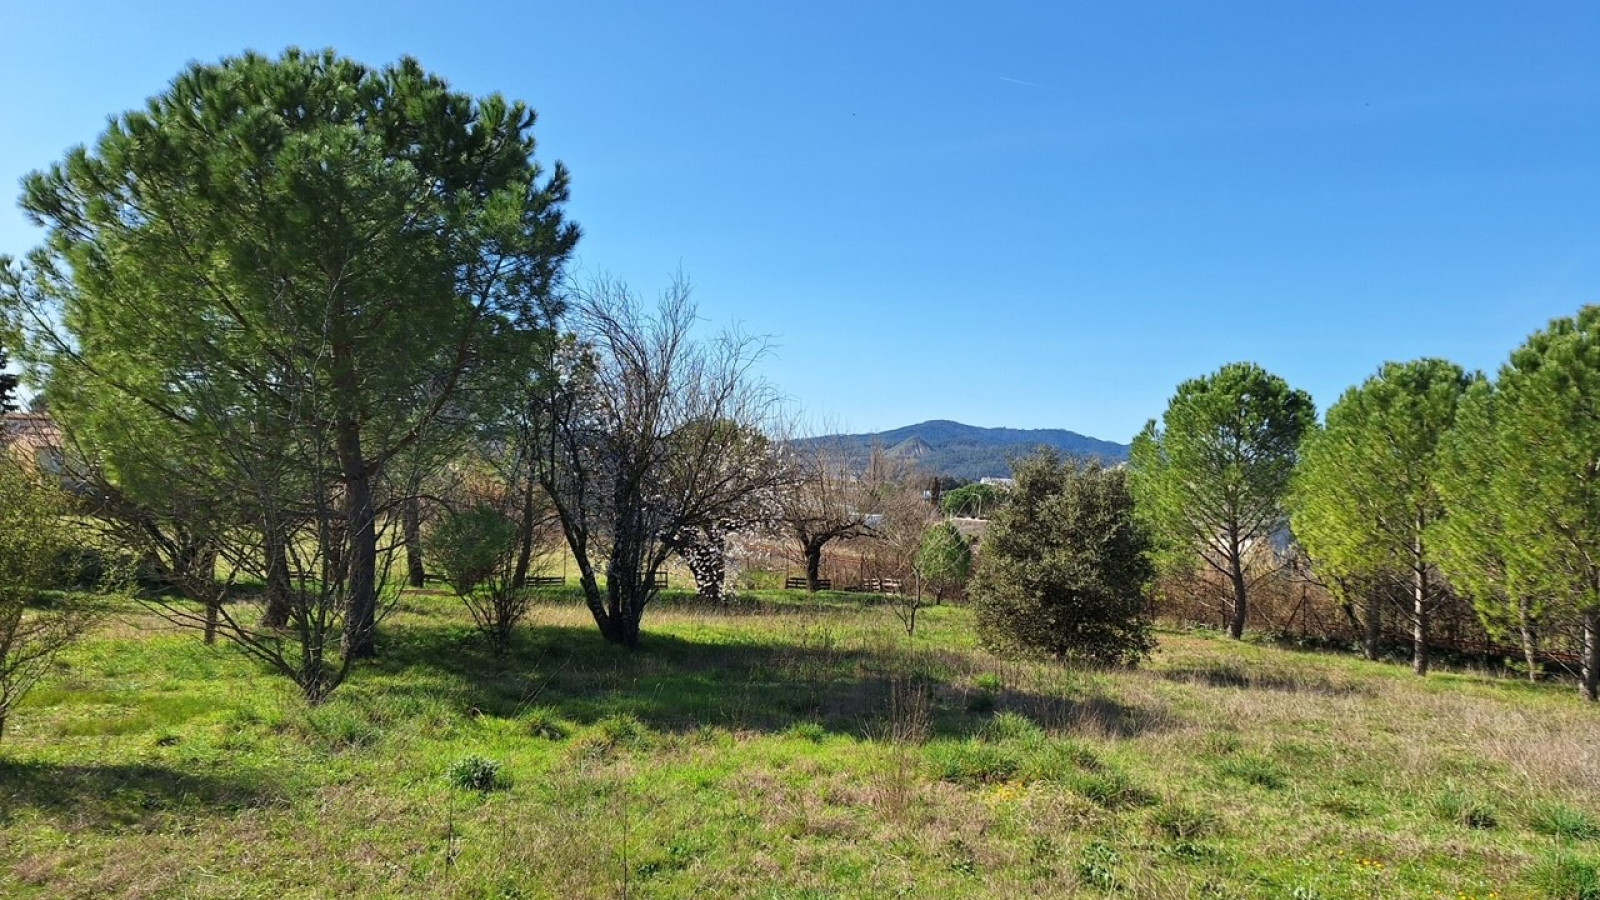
pixel 899 527
pixel 1065 566
pixel 34 536
pixel 944 561
pixel 477 549
pixel 745 456
pixel 1211 479
pixel 977 501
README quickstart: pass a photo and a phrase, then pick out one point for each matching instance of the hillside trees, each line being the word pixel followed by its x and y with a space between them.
pixel 302 243
pixel 1211 478
pixel 1065 565
pixel 1521 481
pixel 641 433
pixel 1365 502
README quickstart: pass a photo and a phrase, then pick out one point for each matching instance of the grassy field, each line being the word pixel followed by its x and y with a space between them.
pixel 805 749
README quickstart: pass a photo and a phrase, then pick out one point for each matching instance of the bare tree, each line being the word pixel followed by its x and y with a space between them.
pixel 896 556
pixel 827 500
pixel 642 433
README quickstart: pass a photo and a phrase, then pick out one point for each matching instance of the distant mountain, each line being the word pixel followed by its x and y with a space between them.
pixel 966 451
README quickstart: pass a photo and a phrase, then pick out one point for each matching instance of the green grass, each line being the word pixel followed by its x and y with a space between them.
pixel 794 747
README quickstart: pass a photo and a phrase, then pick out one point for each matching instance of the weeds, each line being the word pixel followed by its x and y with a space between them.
pixel 1566 877
pixel 477 773
pixel 1563 821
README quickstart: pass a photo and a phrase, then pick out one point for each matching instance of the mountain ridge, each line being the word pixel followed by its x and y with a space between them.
pixel 946 447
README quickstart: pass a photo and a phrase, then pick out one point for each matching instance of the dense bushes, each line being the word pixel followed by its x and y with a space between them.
pixel 35 535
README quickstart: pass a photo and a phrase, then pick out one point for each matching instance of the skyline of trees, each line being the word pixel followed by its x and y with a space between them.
pixel 273 303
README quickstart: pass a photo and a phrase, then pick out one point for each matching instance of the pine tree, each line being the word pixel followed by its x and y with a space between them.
pixel 1364 498
pixel 1521 482
pixel 302 266
pixel 8 385
pixel 1211 479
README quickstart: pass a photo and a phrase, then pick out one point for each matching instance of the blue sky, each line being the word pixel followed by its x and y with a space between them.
pixel 1021 214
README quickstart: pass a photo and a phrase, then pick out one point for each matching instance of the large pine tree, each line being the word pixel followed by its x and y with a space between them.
pixel 1211 478
pixel 1521 483
pixel 1364 498
pixel 300 262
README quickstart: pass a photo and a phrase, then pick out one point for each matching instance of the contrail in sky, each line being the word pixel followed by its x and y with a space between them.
pixel 1021 82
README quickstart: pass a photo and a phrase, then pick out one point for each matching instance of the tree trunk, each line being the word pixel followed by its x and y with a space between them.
pixel 1530 638
pixel 813 551
pixel 2 724
pixel 1591 656
pixel 706 552
pixel 1373 624
pixel 1419 623
pixel 211 621
pixel 620 623
pixel 1240 609
pixel 278 586
pixel 361 620
pixel 411 514
pixel 361 531
pixel 519 577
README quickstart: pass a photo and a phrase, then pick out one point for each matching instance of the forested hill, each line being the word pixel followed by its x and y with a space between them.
pixel 966 451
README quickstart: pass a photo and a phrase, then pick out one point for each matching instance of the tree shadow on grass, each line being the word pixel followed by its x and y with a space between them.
pixel 131 797
pixel 752 682
pixel 1229 675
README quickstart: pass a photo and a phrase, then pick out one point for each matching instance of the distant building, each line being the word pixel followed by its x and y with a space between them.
pixel 34 440
pixel 998 482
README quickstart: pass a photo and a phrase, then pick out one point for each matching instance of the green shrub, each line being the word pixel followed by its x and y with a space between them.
pixel 477 773
pixel 1110 789
pixel 542 722
pixel 808 731
pixel 1098 866
pixel 338 727
pixel 623 730
pixel 1560 820
pixel 1182 822
pixel 988 682
pixel 1253 770
pixel 1065 567
pixel 34 536
pixel 1056 761
pixel 1012 726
